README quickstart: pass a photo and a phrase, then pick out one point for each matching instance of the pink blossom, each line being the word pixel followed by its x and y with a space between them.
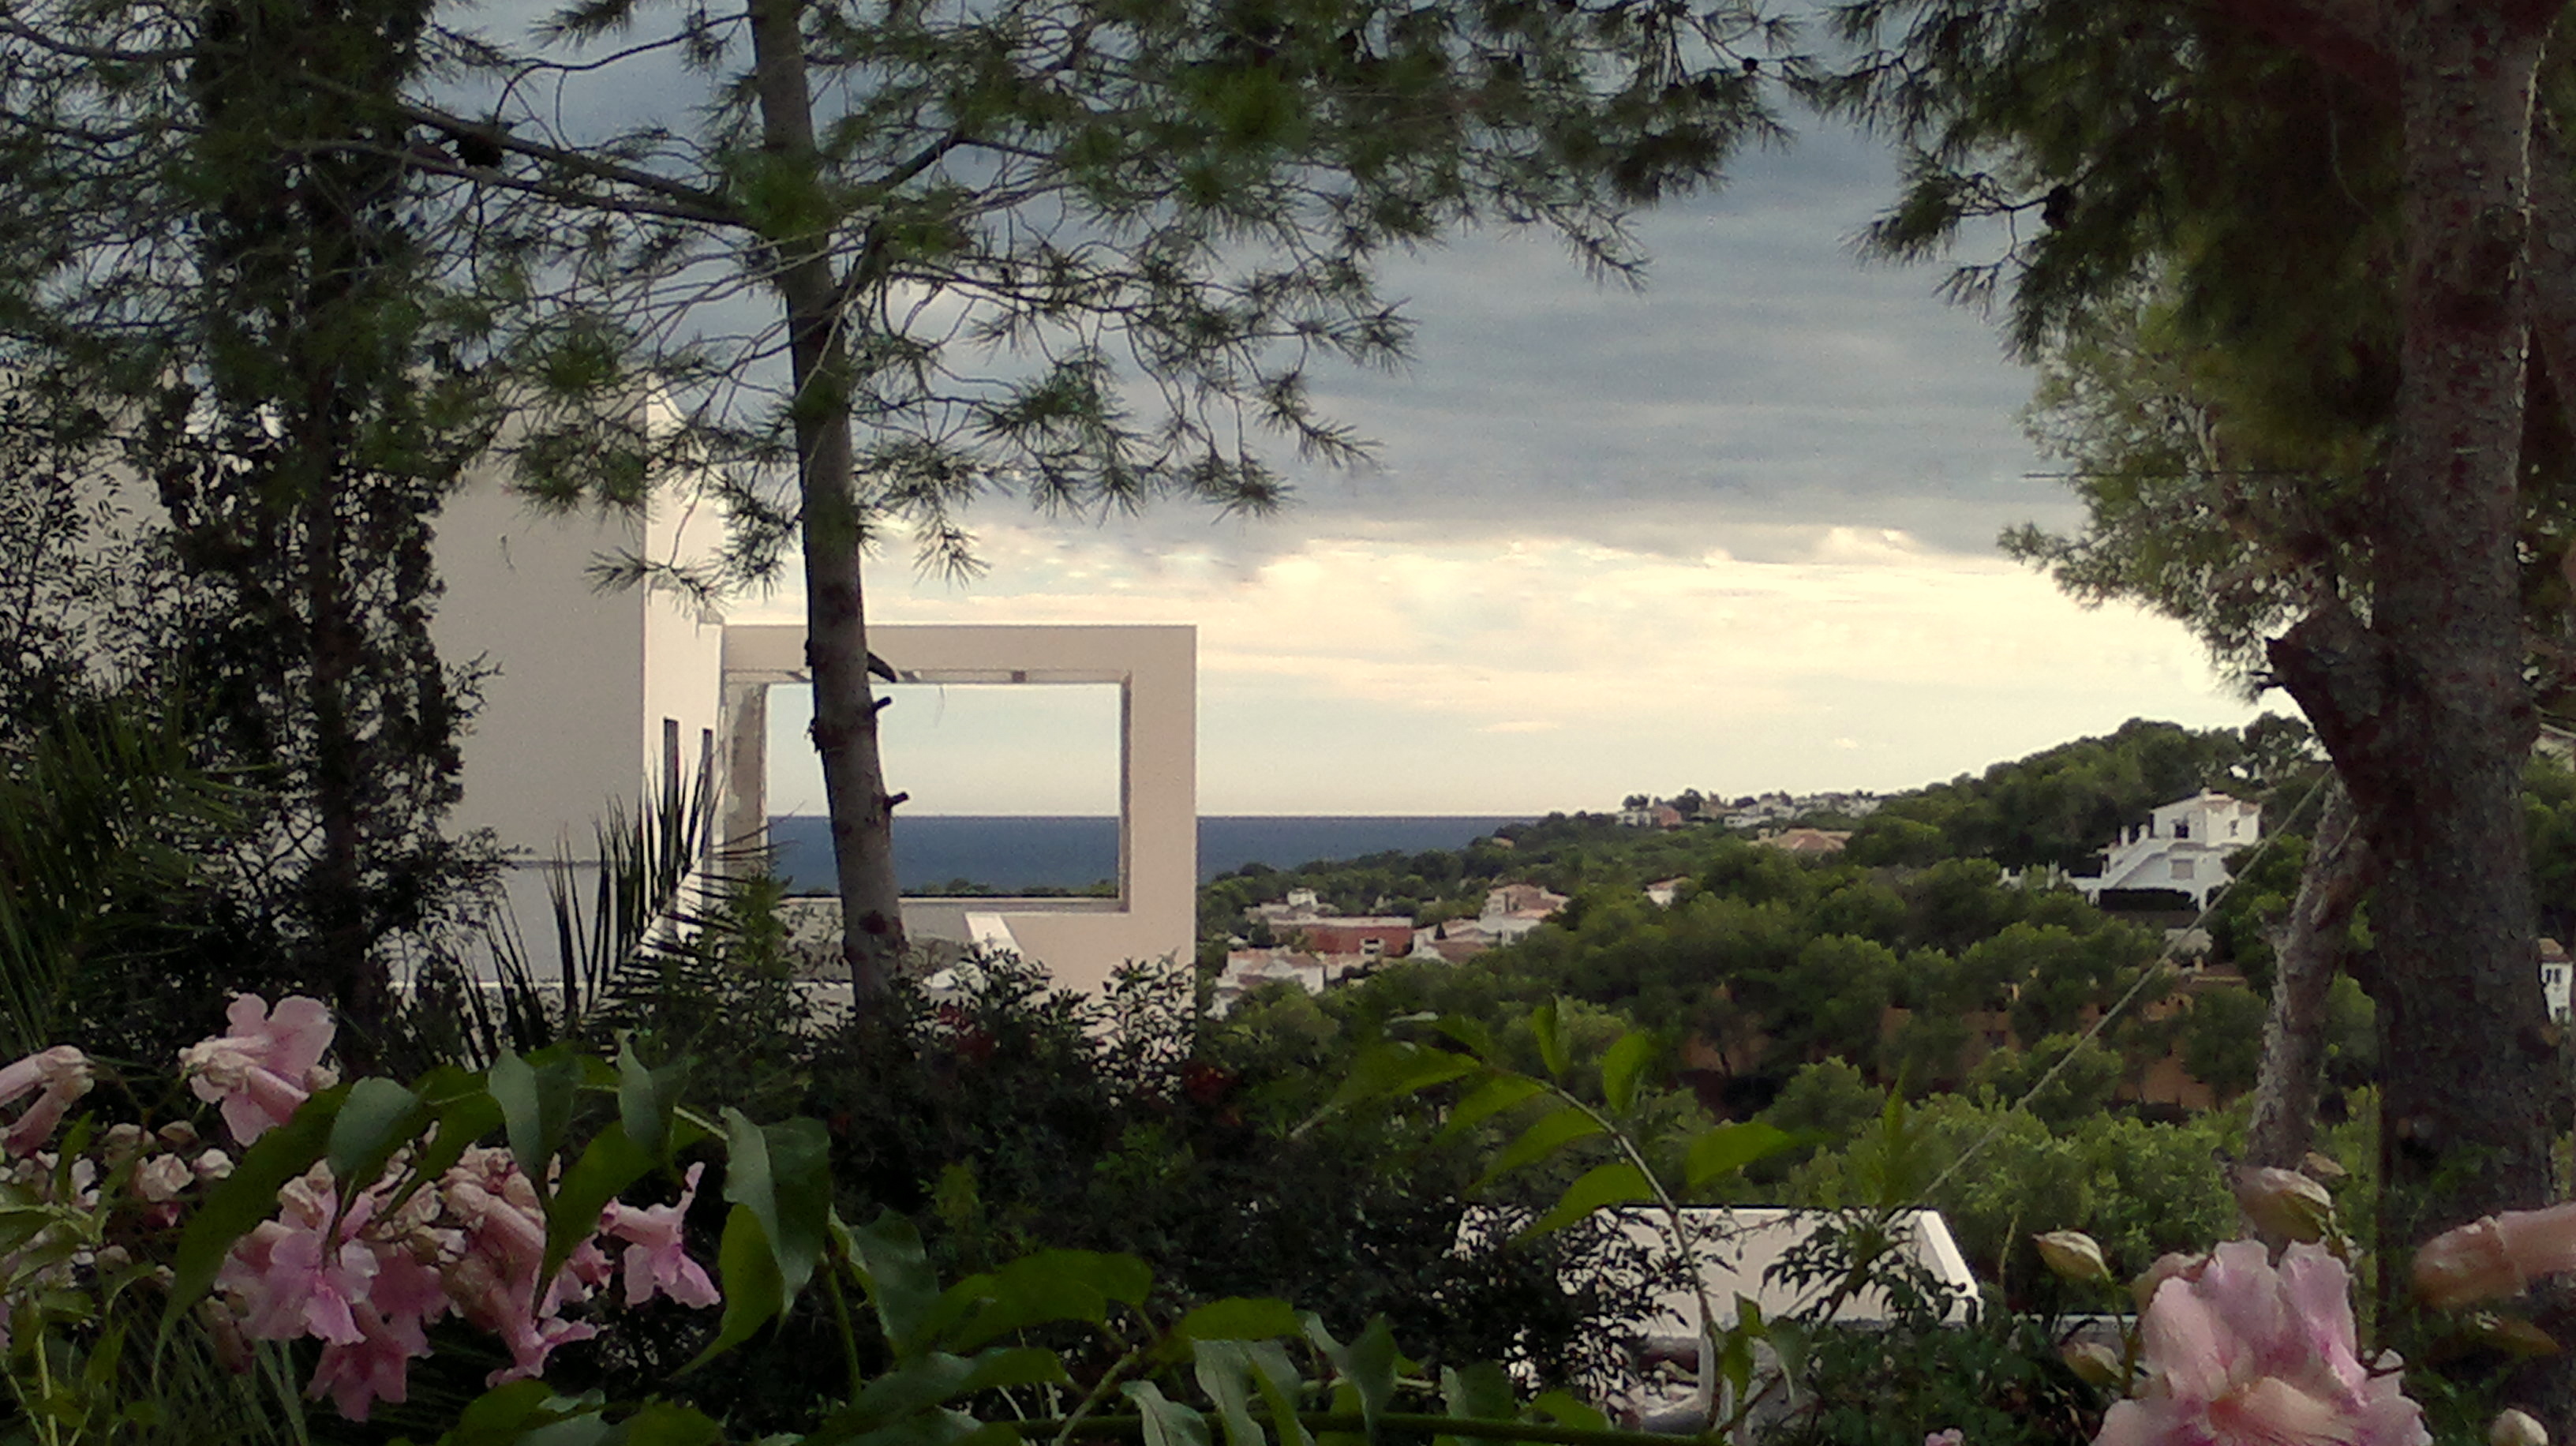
pixel 1952 1436
pixel 2239 1354
pixel 2495 1256
pixel 375 1367
pixel 162 1177
pixel 62 1072
pixel 264 1067
pixel 493 1281
pixel 294 1275
pixel 654 1257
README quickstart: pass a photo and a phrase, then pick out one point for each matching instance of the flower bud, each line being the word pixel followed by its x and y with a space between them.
pixel 2091 1361
pixel 2514 1428
pixel 2072 1255
pixel 2284 1203
pixel 2495 1256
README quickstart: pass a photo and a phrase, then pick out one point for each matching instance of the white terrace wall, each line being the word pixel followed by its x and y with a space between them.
pixel 590 694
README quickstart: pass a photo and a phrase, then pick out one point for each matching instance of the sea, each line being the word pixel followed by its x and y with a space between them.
pixel 1011 854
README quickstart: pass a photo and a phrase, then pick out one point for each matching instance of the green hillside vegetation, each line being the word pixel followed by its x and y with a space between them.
pixel 1809 992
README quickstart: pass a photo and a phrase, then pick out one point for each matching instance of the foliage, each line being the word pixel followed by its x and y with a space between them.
pixel 219 295
pixel 2141 1189
pixel 1994 1377
pixel 2059 807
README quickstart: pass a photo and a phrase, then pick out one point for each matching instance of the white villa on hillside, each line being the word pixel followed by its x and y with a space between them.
pixel 2182 846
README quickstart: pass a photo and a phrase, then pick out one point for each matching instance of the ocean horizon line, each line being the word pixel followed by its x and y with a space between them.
pixel 1015 851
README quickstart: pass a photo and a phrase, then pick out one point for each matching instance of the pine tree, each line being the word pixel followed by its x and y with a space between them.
pixel 1083 251
pixel 218 286
pixel 2339 201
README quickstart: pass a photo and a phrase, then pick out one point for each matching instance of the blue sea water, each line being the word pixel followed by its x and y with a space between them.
pixel 1059 852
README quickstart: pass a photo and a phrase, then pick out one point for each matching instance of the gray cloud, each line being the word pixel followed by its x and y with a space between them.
pixel 1764 386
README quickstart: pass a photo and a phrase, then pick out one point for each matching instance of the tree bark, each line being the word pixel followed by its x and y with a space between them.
pixel 2308 948
pixel 2424 707
pixel 836 635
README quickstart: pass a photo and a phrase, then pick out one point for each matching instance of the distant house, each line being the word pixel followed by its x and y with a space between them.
pixel 1808 843
pixel 1249 969
pixel 2553 978
pixel 1370 936
pixel 2182 846
pixel 1456 940
pixel 1662 892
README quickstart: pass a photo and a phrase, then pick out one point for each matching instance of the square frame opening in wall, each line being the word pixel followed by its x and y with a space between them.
pixel 1154 666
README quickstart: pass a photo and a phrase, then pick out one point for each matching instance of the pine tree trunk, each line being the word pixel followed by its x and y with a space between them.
pixel 836 637
pixel 2424 707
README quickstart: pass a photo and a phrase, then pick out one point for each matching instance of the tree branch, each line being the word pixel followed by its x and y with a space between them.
pixel 2309 945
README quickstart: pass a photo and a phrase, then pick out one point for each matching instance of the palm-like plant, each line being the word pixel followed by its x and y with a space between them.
pixel 106 818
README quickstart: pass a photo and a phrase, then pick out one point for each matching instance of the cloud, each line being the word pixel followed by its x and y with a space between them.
pixel 1364 674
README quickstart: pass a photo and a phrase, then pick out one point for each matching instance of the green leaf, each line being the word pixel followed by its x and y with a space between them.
pixel 1624 1065
pixel 1569 1410
pixel 247 1197
pixel 1547 1026
pixel 936 1378
pixel 1729 1148
pixel 1239 1318
pixel 1545 1136
pixel 782 1173
pixel 1224 1371
pixel 753 1293
pixel 1052 1285
pixel 898 1279
pixel 1472 1035
pixel 1368 1365
pixel 1167 1422
pixel 464 1116
pixel 378 1118
pixel 645 1097
pixel 1395 1067
pixel 536 1094
pixel 1617 1183
pixel 666 1423
pixel 612 1163
pixel 498 1415
pixel 1495 1095
pixel 1480 1391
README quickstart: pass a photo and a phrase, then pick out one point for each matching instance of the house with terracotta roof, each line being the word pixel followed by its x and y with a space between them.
pixel 1807 843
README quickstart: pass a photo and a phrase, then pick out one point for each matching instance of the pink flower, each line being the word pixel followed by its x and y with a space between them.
pixel 2495 1256
pixel 1950 1437
pixel 293 1276
pixel 62 1072
pixel 374 1367
pixel 493 1282
pixel 2238 1354
pixel 162 1177
pixel 263 1068
pixel 654 1257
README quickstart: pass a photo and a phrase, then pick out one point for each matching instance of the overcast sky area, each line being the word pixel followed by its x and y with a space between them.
pixel 1735 532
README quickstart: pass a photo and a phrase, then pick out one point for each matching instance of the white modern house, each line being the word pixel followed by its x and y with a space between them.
pixel 2183 846
pixel 598 699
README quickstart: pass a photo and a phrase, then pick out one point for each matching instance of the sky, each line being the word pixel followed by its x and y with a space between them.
pixel 1733 531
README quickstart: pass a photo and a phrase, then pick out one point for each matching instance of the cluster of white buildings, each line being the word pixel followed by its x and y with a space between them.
pixel 1750 811
pixel 1317 946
